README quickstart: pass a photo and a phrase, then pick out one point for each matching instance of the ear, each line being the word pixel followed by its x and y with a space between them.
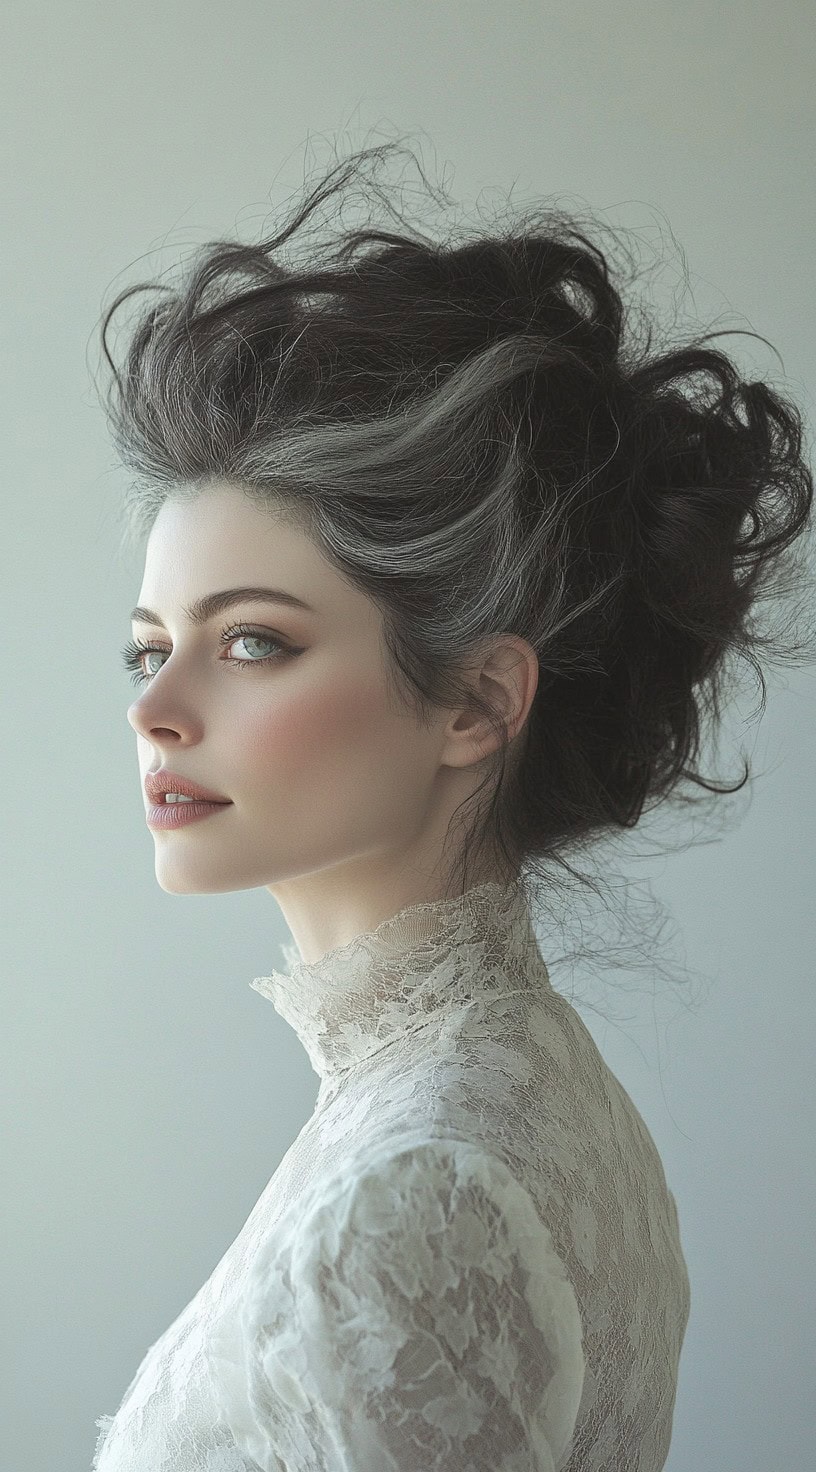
pixel 506 673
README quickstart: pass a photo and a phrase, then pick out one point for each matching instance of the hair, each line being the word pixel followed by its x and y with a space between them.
pixel 477 435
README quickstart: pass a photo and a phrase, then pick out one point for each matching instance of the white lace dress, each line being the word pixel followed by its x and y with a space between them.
pixel 468 1260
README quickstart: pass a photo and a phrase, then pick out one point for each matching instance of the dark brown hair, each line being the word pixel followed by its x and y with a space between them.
pixel 480 437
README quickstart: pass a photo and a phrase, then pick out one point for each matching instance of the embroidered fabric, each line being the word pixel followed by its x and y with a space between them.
pixel 469 1257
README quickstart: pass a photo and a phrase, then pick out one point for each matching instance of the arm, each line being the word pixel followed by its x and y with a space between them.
pixel 415 1317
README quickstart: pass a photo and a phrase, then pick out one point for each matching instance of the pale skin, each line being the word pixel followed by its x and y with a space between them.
pixel 340 802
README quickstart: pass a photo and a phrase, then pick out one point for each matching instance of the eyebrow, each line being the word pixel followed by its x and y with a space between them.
pixel 212 603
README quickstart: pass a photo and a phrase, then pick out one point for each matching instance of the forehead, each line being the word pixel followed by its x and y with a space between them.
pixel 212 539
pixel 217 516
pixel 219 533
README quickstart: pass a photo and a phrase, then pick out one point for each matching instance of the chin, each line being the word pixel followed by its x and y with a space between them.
pixel 191 883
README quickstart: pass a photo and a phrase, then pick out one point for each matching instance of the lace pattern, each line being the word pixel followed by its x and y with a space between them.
pixel 418 1318
pixel 469 1257
pixel 386 983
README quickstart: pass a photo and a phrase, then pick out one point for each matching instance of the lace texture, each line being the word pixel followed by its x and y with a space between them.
pixel 469 1257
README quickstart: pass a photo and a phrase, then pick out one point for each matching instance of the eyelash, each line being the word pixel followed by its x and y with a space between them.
pixel 135 649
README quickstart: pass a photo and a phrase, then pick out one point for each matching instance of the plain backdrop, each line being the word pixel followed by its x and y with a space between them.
pixel 149 1093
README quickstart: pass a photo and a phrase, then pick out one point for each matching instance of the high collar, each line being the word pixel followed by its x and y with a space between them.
pixel 409 973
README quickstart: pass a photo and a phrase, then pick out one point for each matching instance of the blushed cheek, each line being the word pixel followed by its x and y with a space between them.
pixel 318 731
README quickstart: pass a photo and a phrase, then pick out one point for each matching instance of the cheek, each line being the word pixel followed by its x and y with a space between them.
pixel 341 721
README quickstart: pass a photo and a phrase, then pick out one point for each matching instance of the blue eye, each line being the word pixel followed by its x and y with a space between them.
pixel 135 650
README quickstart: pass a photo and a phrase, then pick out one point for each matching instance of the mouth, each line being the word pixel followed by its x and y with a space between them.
pixel 174 815
pixel 182 801
pixel 163 784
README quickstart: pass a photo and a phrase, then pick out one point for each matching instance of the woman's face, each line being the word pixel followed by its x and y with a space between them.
pixel 325 778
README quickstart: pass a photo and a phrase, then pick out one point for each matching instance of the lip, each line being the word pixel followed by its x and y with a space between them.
pixel 156 784
pixel 179 814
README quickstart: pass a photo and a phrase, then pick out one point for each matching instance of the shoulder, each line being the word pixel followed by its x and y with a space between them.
pixel 416 1184
pixel 413 1276
pixel 418 1198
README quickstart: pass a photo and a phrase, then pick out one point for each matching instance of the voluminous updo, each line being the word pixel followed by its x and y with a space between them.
pixel 472 437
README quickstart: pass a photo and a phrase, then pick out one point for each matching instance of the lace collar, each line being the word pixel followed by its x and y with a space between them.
pixel 409 973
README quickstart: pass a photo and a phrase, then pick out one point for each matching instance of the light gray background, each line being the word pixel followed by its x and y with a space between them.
pixel 149 1092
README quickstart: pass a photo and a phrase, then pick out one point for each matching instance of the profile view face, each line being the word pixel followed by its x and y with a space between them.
pixel 283 712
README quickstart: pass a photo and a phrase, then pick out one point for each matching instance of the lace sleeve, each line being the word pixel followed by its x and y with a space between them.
pixel 415 1315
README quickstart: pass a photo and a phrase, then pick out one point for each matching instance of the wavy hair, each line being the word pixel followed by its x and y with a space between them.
pixel 474 432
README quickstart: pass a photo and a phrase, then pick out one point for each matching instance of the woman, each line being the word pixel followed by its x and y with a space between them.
pixel 487 560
